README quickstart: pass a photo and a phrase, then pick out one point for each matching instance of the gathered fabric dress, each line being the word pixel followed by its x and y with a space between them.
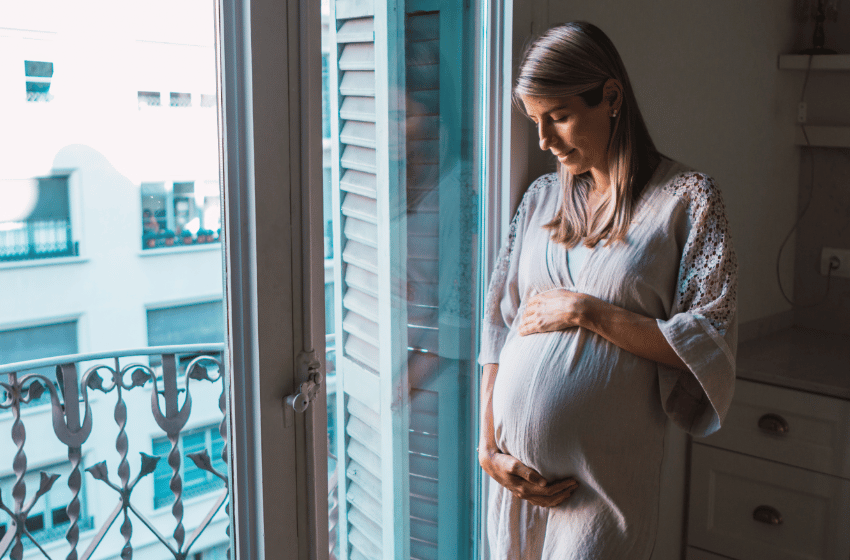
pixel 571 404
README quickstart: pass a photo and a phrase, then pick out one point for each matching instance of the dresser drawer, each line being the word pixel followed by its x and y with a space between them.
pixel 810 511
pixel 801 429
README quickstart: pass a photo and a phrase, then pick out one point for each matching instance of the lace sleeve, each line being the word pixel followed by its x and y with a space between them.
pixel 708 279
pixel 702 329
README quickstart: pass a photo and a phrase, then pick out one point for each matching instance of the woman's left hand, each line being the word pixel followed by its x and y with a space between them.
pixel 554 310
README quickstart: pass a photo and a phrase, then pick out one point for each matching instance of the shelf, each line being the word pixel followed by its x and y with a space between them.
pixel 829 62
pixel 824 136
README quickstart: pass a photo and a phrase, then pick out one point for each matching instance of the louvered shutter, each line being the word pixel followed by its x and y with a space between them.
pixel 371 345
pixel 399 345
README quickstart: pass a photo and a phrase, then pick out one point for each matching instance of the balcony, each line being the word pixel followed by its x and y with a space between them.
pixel 151 439
pixel 138 437
pixel 36 239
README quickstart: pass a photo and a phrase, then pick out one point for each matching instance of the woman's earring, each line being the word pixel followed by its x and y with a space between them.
pixel 614 113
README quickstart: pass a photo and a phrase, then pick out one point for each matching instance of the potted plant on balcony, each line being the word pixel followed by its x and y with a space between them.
pixel 186 237
pixel 149 239
pixel 168 237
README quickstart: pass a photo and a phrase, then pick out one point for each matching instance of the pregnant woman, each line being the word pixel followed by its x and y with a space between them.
pixel 611 309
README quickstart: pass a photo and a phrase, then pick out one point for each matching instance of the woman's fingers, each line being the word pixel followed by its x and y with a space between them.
pixel 526 483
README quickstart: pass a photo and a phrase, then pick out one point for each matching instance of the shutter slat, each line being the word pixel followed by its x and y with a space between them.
pixel 423 293
pixel 358 109
pixel 362 304
pixel 422 550
pixel 358 429
pixel 423 443
pixel 362 280
pixel 361 255
pixel 422 224
pixel 357 56
pixel 361 231
pixel 423 52
pixel 360 159
pixel 360 207
pixel 367 459
pixel 423 486
pixel 423 338
pixel 361 476
pixel 362 351
pixel 423 27
pixel 423 247
pixel 359 182
pixel 358 134
pixel 361 327
pixel 359 83
pixel 423 177
pixel 369 528
pixel 422 315
pixel 364 545
pixel 360 30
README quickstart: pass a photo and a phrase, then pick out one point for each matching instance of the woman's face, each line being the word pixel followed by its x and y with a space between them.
pixel 576 134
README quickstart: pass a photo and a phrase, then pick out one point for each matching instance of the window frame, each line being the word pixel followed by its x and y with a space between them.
pixel 271 154
pixel 271 146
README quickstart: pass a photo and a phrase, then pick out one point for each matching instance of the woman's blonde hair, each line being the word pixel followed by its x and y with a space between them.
pixel 577 58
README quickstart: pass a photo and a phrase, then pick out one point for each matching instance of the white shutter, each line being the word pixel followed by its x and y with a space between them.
pixel 369 232
pixel 401 349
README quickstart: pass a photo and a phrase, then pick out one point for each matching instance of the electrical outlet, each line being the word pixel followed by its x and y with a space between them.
pixel 829 254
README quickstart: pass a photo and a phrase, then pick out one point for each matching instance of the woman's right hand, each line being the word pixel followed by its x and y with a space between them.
pixel 523 481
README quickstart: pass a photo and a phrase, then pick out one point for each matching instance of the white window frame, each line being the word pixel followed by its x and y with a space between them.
pixel 270 129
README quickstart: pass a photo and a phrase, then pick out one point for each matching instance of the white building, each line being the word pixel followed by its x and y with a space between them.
pixel 109 142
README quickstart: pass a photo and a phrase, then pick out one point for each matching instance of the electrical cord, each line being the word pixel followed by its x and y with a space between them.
pixel 834 263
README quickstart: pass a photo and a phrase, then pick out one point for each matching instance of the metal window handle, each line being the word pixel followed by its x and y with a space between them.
pixel 311 368
pixel 768 515
pixel 774 424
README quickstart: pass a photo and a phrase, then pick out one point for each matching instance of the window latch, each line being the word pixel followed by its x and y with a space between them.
pixel 309 368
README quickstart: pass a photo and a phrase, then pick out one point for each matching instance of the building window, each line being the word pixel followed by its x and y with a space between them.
pixel 196 481
pixel 35 221
pixel 149 99
pixel 48 519
pixel 33 343
pixel 38 76
pixel 180 213
pixel 207 100
pixel 197 323
pixel 181 99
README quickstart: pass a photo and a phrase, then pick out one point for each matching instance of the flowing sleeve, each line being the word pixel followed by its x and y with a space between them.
pixel 702 328
pixel 503 298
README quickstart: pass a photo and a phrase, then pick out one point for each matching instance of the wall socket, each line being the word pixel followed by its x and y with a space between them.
pixel 843 256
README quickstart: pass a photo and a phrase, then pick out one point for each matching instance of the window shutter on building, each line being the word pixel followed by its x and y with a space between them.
pixel 394 75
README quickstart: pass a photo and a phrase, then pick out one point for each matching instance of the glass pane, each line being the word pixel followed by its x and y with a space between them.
pixel 110 229
pixel 401 278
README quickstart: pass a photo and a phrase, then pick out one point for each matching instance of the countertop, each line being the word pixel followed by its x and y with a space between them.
pixel 798 358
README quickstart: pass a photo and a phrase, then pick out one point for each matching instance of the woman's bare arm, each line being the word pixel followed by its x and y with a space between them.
pixel 556 310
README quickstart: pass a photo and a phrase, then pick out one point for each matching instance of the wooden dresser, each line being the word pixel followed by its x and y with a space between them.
pixel 774 483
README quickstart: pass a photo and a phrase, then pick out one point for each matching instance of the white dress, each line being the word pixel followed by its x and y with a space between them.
pixel 571 404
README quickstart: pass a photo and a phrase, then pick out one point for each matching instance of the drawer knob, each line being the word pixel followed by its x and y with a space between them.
pixel 768 515
pixel 774 423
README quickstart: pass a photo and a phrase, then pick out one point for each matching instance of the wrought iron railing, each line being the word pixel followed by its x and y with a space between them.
pixel 36 239
pixel 71 398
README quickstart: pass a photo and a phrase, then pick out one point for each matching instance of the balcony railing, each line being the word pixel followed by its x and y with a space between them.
pixel 112 381
pixel 36 240
pixel 23 386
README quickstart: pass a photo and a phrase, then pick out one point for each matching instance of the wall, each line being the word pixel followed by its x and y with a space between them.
pixel 706 78
pixel 827 221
